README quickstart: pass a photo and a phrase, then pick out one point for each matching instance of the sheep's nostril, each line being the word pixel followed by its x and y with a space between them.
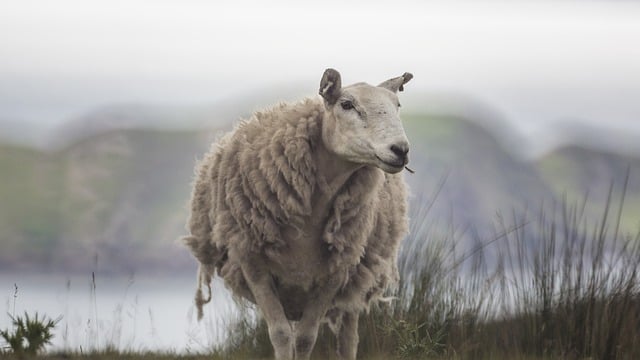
pixel 400 150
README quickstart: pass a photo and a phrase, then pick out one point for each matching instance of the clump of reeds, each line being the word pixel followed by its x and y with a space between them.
pixel 30 334
pixel 573 286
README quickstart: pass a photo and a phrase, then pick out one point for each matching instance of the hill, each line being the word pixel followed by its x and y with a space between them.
pixel 116 199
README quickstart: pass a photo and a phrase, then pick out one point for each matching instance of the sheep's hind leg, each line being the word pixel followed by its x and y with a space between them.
pixel 347 336
pixel 261 286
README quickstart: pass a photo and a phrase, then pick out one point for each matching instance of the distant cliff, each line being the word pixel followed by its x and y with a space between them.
pixel 115 198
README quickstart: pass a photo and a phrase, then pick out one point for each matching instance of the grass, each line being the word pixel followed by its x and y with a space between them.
pixel 549 284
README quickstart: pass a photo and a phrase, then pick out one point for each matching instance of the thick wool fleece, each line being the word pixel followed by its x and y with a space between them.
pixel 259 179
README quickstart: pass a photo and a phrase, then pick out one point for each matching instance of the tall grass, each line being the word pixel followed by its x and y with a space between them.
pixel 548 284
pixel 574 286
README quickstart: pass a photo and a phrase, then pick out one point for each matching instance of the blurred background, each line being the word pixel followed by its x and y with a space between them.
pixel 106 106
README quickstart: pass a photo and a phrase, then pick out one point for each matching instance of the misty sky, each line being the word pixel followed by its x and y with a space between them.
pixel 536 63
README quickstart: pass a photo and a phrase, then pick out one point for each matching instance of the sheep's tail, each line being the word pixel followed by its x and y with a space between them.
pixel 204 278
pixel 200 226
pixel 206 255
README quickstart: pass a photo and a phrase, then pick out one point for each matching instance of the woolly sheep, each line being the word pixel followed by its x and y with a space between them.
pixel 301 210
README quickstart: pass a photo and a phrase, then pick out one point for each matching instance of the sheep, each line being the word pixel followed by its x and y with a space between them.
pixel 301 209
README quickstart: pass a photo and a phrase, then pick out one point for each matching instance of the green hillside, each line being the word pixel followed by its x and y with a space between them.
pixel 118 196
pixel 579 173
pixel 482 178
pixel 29 194
pixel 118 199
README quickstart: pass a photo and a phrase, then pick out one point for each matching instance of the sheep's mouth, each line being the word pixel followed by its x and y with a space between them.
pixel 396 165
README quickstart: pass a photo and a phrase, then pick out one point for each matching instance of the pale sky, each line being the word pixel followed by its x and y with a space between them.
pixel 536 63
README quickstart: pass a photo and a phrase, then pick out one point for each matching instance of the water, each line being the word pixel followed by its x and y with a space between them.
pixel 136 313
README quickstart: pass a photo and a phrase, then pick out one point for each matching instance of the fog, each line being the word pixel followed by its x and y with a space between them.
pixel 536 74
pixel 541 65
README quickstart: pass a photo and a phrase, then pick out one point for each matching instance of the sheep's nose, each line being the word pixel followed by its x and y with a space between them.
pixel 400 150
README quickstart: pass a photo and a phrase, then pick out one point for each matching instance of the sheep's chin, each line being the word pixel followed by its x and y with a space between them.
pixel 391 170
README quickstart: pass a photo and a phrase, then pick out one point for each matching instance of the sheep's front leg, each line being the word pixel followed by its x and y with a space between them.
pixel 347 336
pixel 307 328
pixel 261 285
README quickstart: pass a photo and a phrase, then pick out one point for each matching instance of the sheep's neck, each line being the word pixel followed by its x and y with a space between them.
pixel 332 173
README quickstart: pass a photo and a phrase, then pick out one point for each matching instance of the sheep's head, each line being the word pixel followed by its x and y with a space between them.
pixel 362 123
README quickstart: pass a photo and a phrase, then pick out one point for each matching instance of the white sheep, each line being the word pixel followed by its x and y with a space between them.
pixel 301 210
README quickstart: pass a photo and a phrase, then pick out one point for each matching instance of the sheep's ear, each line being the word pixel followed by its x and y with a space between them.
pixel 397 83
pixel 330 86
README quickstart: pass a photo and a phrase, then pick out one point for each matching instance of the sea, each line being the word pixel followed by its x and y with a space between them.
pixel 136 313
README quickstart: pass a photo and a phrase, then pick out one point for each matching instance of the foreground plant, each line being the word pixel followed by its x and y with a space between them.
pixel 29 335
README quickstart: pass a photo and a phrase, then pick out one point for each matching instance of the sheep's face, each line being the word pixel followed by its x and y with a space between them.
pixel 363 125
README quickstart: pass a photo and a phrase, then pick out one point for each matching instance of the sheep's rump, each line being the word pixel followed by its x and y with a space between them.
pixel 260 177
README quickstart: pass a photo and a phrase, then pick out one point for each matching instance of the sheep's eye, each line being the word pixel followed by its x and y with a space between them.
pixel 399 105
pixel 347 105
